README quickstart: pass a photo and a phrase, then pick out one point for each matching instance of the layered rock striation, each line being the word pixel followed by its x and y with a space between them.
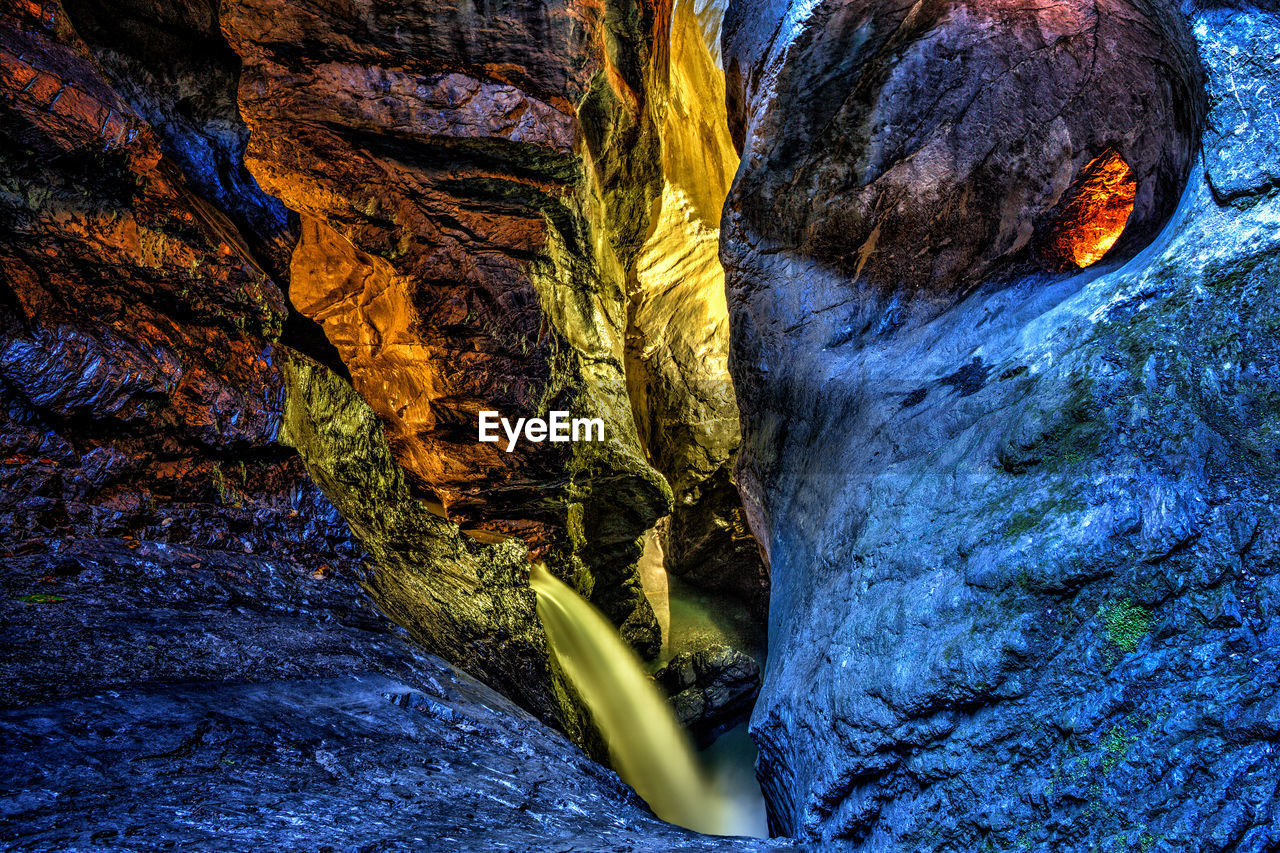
pixel 159 388
pixel 141 339
pixel 265 262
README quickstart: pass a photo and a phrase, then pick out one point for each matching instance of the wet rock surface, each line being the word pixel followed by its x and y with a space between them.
pixel 678 330
pixel 164 696
pixel 469 603
pixel 201 513
pixel 711 689
pixel 1022 543
pixel 710 545
pixel 151 387
pixel 140 341
pixel 150 391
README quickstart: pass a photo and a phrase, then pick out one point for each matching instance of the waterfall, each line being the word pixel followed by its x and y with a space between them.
pixel 647 745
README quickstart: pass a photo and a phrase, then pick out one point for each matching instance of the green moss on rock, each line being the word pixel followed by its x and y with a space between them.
pixel 1126 623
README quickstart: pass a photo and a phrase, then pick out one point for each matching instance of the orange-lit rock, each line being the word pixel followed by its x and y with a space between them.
pixel 139 338
pixel 151 388
pixel 925 150
pixel 1092 214
pixel 474 189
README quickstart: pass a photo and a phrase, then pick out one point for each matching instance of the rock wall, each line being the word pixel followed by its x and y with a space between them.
pixel 474 187
pixel 140 339
pixel 1019 517
pixel 678 334
pixel 160 389
pixel 223 218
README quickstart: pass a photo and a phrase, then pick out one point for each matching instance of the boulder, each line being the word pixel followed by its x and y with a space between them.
pixel 711 689
pixel 1000 128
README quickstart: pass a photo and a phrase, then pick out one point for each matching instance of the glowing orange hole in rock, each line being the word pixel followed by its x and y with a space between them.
pixel 1093 213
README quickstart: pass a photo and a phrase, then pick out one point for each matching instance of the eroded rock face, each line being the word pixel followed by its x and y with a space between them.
pixel 678 332
pixel 465 239
pixel 973 123
pixel 467 602
pixel 1020 525
pixel 139 338
pixel 152 390
pixel 474 187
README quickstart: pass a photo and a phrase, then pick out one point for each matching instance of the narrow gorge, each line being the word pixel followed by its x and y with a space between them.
pixel 933 348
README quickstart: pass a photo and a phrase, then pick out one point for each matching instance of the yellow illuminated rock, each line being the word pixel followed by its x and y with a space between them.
pixel 679 336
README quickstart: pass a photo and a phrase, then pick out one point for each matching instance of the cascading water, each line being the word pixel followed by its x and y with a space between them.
pixel 647 745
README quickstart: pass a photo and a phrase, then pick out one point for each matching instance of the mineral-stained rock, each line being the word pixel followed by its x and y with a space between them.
pixel 138 336
pixel 474 185
pixel 169 63
pixel 679 332
pixel 468 602
pixel 1021 528
pixel 1245 153
pixel 711 689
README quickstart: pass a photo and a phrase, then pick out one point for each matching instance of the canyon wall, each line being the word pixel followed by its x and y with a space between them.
pixel 180 340
pixel 265 263
pixel 678 335
pixel 473 189
pixel 202 517
pixel 1000 281
pixel 1003 341
pixel 142 336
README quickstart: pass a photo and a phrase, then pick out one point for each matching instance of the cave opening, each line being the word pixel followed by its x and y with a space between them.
pixel 1092 215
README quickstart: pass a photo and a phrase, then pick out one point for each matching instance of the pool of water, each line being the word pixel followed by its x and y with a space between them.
pixel 698 619
pixel 731 763
pixel 692 619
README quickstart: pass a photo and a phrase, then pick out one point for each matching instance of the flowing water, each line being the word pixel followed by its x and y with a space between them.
pixel 647 745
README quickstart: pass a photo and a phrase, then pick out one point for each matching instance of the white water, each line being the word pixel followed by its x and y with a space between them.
pixel 647 745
